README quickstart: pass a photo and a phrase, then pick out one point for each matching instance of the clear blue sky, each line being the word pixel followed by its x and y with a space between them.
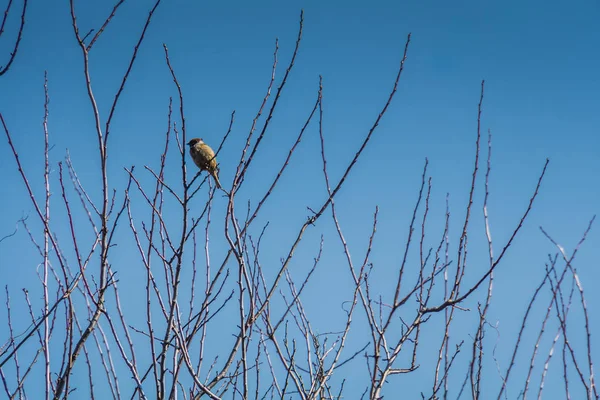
pixel 540 61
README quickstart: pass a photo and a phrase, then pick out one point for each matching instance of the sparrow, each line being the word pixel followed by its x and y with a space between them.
pixel 204 157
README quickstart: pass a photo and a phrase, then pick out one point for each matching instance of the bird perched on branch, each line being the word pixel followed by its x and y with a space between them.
pixel 204 157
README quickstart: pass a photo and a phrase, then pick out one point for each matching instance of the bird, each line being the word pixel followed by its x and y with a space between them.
pixel 204 157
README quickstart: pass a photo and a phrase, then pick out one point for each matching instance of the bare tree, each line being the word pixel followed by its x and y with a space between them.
pixel 276 351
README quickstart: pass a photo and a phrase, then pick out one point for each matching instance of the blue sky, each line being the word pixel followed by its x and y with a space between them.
pixel 542 93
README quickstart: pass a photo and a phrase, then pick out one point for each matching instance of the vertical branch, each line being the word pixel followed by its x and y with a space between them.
pixel 477 354
pixel 173 324
pixel 179 253
pixel 46 345
pixel 12 336
pixel 588 335
pixel 149 279
pixel 62 382
pixel 462 245
pixel 443 349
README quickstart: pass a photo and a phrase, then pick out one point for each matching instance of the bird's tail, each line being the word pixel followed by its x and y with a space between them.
pixel 214 175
